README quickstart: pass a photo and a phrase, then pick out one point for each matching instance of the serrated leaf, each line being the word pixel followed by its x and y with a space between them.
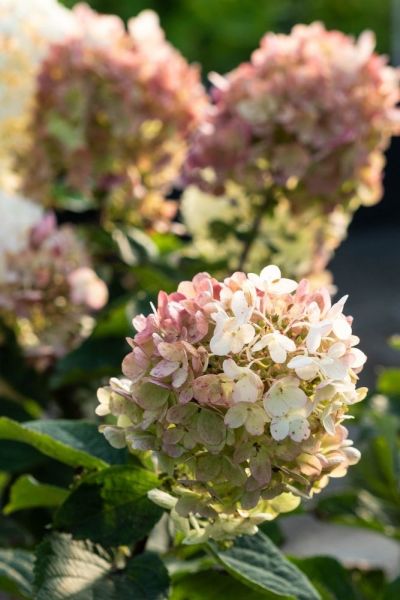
pixel 67 569
pixel 75 443
pixel 258 563
pixel 16 572
pixel 27 492
pixel 328 575
pixel 214 585
pixel 111 507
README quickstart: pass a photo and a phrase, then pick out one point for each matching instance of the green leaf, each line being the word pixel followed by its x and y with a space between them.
pixel 214 585
pixel 328 576
pixel 22 384
pixel 76 443
pixel 67 569
pixel 389 382
pixel 16 572
pixel 27 492
pixel 95 358
pixel 111 507
pixel 258 563
pixel 16 457
pixel 392 591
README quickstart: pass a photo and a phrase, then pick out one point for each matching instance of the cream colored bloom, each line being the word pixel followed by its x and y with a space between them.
pixel 26 31
pixel 271 281
pixel 278 346
pixel 232 333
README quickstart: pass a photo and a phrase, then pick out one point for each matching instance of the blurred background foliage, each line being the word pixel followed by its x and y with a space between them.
pixel 220 34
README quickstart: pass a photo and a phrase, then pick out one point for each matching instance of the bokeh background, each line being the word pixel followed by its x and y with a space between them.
pixel 220 34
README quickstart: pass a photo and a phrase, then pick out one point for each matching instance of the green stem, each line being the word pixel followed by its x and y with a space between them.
pixel 253 233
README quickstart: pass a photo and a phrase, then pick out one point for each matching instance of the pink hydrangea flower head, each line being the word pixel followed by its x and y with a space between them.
pixel 114 109
pixel 47 287
pixel 239 389
pixel 309 115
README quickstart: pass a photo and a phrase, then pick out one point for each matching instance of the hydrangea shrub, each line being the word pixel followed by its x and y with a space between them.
pixel 47 286
pixel 305 123
pixel 239 389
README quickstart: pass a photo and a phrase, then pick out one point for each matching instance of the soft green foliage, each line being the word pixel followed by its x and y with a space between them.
pixel 68 569
pixel 328 576
pixel 27 492
pixel 111 507
pixel 74 443
pixel 256 561
pixel 16 572
pixel 214 585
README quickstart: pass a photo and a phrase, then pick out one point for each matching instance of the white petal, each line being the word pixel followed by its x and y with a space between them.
pixel 260 345
pixel 295 397
pixel 334 369
pixel 247 333
pixel 358 358
pixel 299 429
pixel 270 273
pixel 313 340
pixel 279 429
pixel 341 328
pixel 277 353
pixel 231 369
pixel 287 343
pixel 305 367
pixel 337 350
pixel 245 391
pixel 240 308
pixel 221 346
pixel 337 308
pixel 275 404
pixel 283 286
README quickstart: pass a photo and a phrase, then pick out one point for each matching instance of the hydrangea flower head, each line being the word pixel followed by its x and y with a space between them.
pixel 114 112
pixel 239 389
pixel 310 115
pixel 47 287
pixel 25 35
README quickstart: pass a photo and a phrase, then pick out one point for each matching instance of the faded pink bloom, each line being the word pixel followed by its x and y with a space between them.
pixel 114 110
pixel 310 115
pixel 235 397
pixel 47 287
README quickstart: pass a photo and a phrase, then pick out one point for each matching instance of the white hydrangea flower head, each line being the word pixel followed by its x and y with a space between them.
pixel 239 389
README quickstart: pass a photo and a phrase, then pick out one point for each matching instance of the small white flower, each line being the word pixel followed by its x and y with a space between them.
pixel 250 415
pixel 321 324
pixel 308 367
pixel 278 346
pixel 270 281
pixel 247 387
pixel 231 334
pixel 288 407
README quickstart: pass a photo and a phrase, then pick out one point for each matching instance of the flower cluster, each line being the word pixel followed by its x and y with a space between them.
pixel 310 114
pixel 25 35
pixel 47 287
pixel 240 390
pixel 114 110
pixel 302 243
